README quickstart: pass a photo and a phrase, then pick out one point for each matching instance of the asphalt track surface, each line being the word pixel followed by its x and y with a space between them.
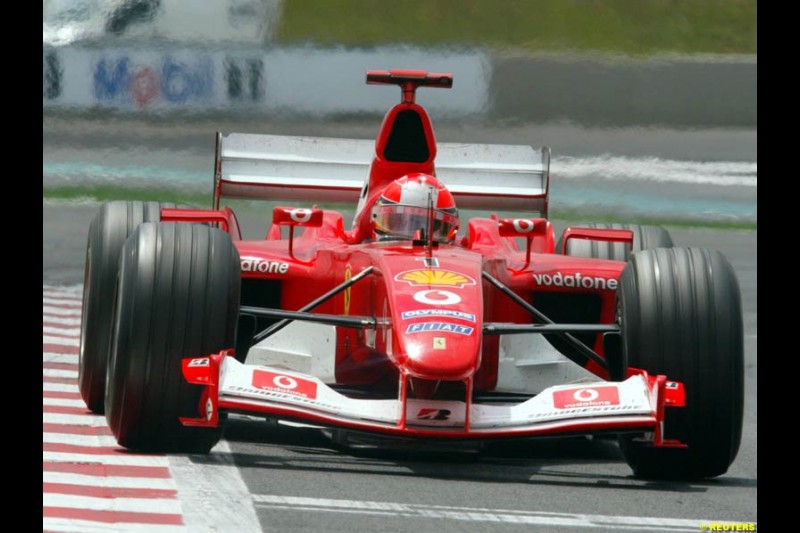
pixel 296 480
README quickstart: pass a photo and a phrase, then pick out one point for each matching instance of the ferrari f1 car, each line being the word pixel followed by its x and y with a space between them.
pixel 408 325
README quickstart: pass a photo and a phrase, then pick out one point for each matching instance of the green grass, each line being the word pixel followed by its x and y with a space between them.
pixel 634 27
pixel 106 193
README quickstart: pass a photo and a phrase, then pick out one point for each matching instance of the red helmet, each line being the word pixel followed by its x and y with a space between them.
pixel 402 209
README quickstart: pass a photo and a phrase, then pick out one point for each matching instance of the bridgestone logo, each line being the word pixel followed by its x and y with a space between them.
pixel 576 280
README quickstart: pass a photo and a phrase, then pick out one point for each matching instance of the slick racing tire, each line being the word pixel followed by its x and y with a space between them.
pixel 680 314
pixel 177 297
pixel 644 238
pixel 107 234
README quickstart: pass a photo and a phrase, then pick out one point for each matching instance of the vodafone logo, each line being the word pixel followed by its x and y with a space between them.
pixel 264 266
pixel 274 383
pixel 437 297
pixel 523 225
pixel 576 280
pixel 300 214
pixel 285 382
pixel 586 397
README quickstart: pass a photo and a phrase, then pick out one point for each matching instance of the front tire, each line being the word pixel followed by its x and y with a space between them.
pixel 680 313
pixel 178 297
pixel 108 232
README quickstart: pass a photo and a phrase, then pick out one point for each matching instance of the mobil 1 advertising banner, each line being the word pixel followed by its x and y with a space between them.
pixel 302 80
pixel 151 80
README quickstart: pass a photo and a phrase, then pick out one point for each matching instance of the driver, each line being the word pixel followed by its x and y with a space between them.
pixel 402 210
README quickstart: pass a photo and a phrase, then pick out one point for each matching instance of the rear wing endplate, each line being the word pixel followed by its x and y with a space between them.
pixel 320 169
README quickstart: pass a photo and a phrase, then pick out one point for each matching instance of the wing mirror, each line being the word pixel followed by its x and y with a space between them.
pixel 296 216
pixel 527 228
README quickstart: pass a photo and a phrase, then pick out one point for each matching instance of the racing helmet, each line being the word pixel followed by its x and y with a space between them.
pixel 402 209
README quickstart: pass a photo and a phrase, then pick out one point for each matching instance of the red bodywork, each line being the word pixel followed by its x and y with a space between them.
pixel 429 305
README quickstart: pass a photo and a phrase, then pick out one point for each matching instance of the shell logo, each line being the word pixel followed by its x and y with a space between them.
pixel 442 278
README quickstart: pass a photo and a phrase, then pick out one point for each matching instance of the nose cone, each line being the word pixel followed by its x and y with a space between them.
pixel 440 348
pixel 437 313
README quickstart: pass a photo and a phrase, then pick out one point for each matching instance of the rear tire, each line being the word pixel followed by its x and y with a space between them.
pixel 178 297
pixel 108 232
pixel 680 314
pixel 644 238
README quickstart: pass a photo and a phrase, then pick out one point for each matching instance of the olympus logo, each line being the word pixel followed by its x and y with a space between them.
pixel 576 280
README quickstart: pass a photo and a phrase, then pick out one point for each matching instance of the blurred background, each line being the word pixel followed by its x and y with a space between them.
pixel 649 106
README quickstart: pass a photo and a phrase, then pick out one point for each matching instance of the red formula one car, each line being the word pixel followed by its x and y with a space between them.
pixel 412 323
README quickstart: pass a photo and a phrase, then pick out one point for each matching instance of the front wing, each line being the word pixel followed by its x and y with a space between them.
pixel 636 404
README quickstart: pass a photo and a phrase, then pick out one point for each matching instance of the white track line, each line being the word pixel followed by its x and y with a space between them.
pixel 67 332
pixel 121 459
pixel 115 482
pixel 62 320
pixel 57 373
pixel 50 357
pixel 77 288
pixel 723 173
pixel 74 420
pixel 70 302
pixel 48 311
pixel 469 514
pixel 61 297
pixel 59 387
pixel 79 440
pixel 134 505
pixel 214 496
pixel 63 341
pixel 88 526
pixel 64 402
pixel 62 293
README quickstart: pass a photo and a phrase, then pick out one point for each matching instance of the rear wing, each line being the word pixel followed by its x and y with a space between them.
pixel 320 169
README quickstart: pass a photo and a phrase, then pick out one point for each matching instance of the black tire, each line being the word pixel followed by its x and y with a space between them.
pixel 644 238
pixel 108 232
pixel 177 297
pixel 681 315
